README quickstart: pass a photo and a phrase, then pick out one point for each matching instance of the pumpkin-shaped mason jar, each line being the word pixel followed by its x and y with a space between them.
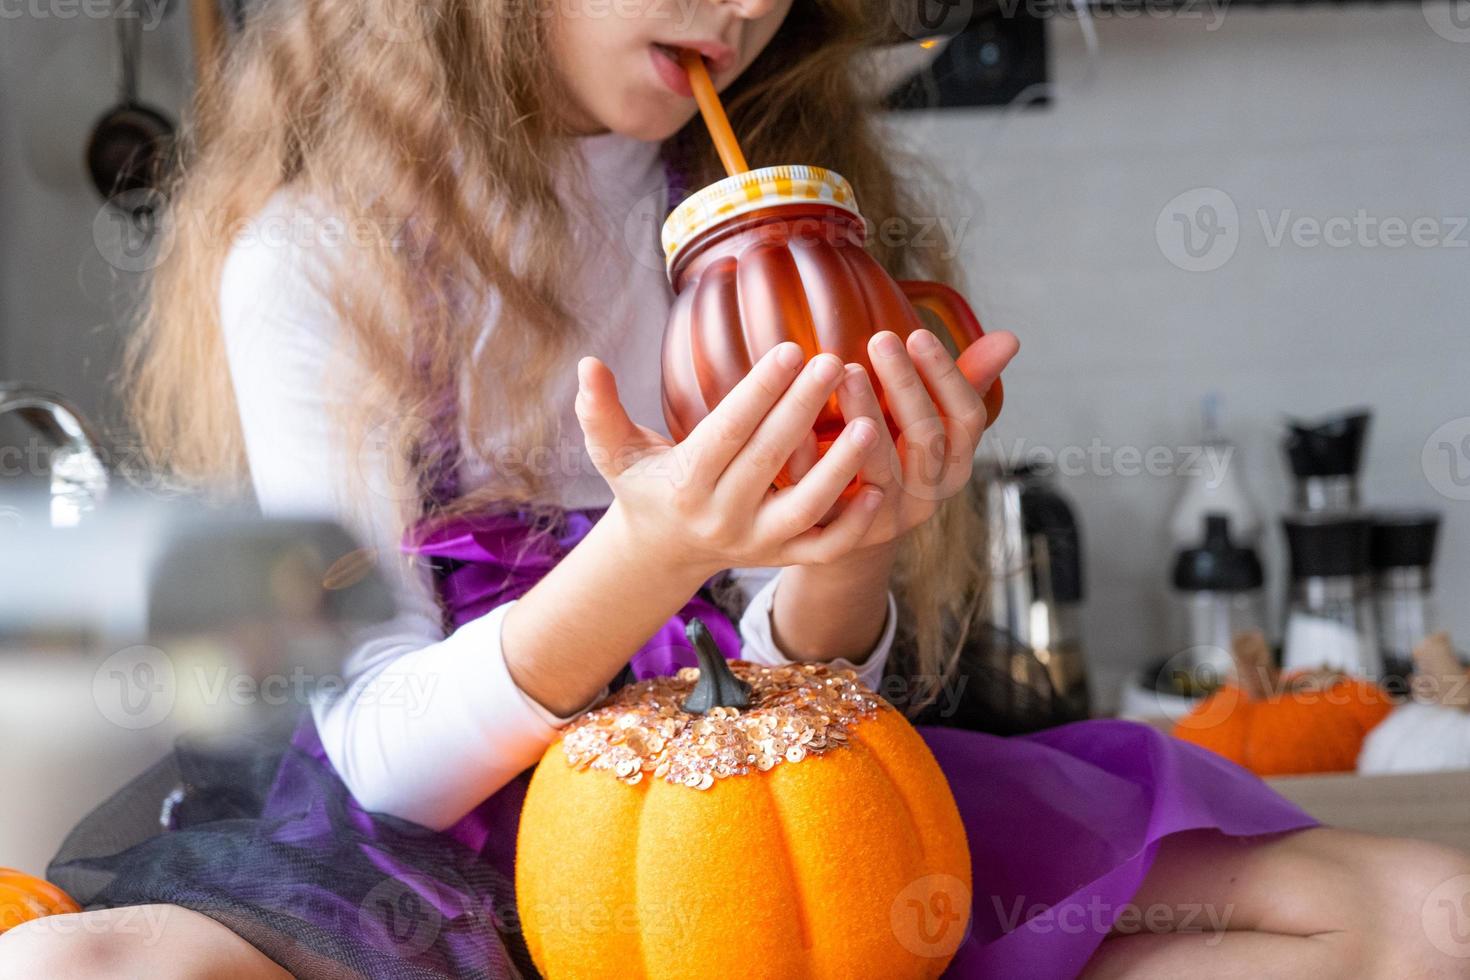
pixel 777 254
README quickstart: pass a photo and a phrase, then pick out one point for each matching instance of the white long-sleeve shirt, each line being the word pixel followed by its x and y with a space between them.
pixel 428 725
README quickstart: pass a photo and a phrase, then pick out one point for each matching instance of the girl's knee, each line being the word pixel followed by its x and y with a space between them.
pixel 1419 895
pixel 156 941
pixel 1413 872
pixel 61 946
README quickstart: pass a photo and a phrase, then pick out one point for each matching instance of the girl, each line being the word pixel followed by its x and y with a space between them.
pixel 399 228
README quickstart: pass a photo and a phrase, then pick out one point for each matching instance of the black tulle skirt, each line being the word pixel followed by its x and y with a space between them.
pixel 258 832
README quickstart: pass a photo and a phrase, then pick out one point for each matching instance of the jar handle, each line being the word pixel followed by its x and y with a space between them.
pixel 952 310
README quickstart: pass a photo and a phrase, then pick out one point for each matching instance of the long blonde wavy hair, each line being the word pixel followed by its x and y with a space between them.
pixel 364 104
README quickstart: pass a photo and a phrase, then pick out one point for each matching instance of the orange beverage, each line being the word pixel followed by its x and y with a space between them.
pixel 777 254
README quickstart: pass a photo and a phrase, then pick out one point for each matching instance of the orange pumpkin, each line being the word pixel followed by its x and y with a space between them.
pixel 24 897
pixel 778 822
pixel 1311 721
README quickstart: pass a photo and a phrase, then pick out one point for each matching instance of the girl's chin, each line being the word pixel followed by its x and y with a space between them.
pixel 650 122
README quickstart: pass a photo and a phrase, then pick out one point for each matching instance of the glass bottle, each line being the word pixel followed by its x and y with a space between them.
pixel 1330 621
pixel 1218 591
pixel 778 254
pixel 1402 558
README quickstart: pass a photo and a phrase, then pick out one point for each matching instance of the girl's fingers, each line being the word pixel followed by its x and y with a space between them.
pixel 982 362
pixel 801 463
pixel 724 431
pixel 778 435
pixel 908 399
pixel 612 437
pixel 825 544
pixel 803 458
pixel 930 463
pixel 796 508
pixel 857 399
pixel 954 396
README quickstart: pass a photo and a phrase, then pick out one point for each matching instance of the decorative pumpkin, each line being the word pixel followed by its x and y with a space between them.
pixel 672 833
pixel 778 254
pixel 24 897
pixel 1430 732
pixel 1310 721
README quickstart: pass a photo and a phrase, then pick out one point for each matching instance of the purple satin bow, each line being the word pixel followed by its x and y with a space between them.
pixel 495 558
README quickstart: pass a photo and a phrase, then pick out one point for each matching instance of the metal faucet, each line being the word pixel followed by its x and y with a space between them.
pixel 78 476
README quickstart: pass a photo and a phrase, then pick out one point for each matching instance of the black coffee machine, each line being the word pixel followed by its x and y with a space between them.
pixel 1022 667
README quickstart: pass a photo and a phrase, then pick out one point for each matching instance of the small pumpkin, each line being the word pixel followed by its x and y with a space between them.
pixel 24 897
pixel 671 833
pixel 1431 731
pixel 1275 725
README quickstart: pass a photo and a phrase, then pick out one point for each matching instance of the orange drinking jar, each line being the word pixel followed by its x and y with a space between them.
pixel 777 254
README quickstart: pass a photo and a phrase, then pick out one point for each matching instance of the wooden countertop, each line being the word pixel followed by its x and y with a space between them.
pixel 1431 806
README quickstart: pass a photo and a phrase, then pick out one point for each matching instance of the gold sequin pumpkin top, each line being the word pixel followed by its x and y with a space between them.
pixel 793 712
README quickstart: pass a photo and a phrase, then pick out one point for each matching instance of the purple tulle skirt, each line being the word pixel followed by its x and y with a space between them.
pixel 263 836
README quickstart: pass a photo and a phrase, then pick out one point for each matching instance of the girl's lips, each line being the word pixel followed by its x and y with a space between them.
pixel 670 72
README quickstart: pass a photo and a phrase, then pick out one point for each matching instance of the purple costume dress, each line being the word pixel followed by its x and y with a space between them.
pixel 1062 824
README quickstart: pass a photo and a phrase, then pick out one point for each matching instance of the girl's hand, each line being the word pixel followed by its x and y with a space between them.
pixel 936 406
pixel 706 504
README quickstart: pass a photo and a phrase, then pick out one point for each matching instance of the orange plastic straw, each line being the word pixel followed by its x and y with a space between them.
pixel 713 112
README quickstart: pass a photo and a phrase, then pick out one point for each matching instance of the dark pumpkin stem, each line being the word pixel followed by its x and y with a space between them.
pixel 717 685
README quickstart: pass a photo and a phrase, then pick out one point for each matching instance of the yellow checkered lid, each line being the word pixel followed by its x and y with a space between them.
pixel 750 191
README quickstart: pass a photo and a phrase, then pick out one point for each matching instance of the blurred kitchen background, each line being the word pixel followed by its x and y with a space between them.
pixel 1314 111
pixel 1221 120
